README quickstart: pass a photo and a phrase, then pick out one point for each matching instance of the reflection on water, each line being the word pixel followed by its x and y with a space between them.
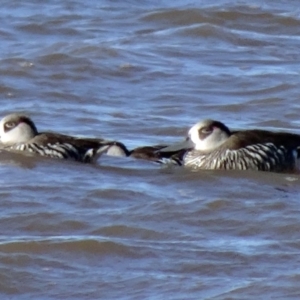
pixel 143 73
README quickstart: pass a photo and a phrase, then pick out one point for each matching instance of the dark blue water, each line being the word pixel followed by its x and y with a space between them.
pixel 143 73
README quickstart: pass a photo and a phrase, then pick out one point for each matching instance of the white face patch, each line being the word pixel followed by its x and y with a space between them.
pixel 211 141
pixel 115 150
pixel 22 133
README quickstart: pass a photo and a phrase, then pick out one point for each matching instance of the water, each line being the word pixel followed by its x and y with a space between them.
pixel 143 72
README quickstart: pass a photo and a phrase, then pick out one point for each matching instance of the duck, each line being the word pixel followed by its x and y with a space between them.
pixel 153 154
pixel 18 133
pixel 211 145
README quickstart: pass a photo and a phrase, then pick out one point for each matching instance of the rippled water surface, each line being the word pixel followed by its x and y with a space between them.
pixel 143 72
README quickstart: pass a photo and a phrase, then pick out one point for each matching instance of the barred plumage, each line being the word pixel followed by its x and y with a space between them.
pixel 265 157
pixel 211 145
pixel 18 133
pixel 59 150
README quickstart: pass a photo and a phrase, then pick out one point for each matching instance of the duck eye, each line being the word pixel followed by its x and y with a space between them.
pixel 9 125
pixel 206 130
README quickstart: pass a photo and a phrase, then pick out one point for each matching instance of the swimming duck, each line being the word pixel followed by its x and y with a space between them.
pixel 212 145
pixel 19 133
pixel 153 153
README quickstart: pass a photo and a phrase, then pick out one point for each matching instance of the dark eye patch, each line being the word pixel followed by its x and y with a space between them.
pixel 205 131
pixel 14 122
pixel 9 125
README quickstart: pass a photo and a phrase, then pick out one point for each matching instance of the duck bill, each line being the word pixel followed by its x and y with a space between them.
pixel 184 145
